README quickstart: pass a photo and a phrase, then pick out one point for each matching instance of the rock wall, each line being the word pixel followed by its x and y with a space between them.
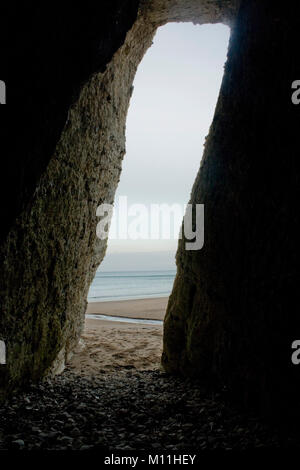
pixel 63 136
pixel 65 125
pixel 232 315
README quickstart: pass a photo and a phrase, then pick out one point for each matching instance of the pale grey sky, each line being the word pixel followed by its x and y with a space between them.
pixel 172 107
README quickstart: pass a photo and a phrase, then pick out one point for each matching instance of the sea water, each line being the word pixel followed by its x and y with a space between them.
pixel 127 285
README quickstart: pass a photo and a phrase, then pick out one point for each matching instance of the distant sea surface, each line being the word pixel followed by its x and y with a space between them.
pixel 127 285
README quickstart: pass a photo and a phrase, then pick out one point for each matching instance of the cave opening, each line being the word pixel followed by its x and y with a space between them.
pixel 171 108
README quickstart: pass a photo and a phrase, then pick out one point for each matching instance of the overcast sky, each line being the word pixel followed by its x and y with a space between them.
pixel 173 102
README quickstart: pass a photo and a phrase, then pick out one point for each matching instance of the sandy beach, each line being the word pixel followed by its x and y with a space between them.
pixel 110 346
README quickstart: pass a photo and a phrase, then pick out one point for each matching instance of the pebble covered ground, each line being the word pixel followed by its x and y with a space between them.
pixel 128 410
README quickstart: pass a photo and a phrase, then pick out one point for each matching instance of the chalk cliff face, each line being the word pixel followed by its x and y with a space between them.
pixel 66 143
pixel 230 318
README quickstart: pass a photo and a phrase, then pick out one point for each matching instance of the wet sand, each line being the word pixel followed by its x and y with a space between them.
pixel 150 309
